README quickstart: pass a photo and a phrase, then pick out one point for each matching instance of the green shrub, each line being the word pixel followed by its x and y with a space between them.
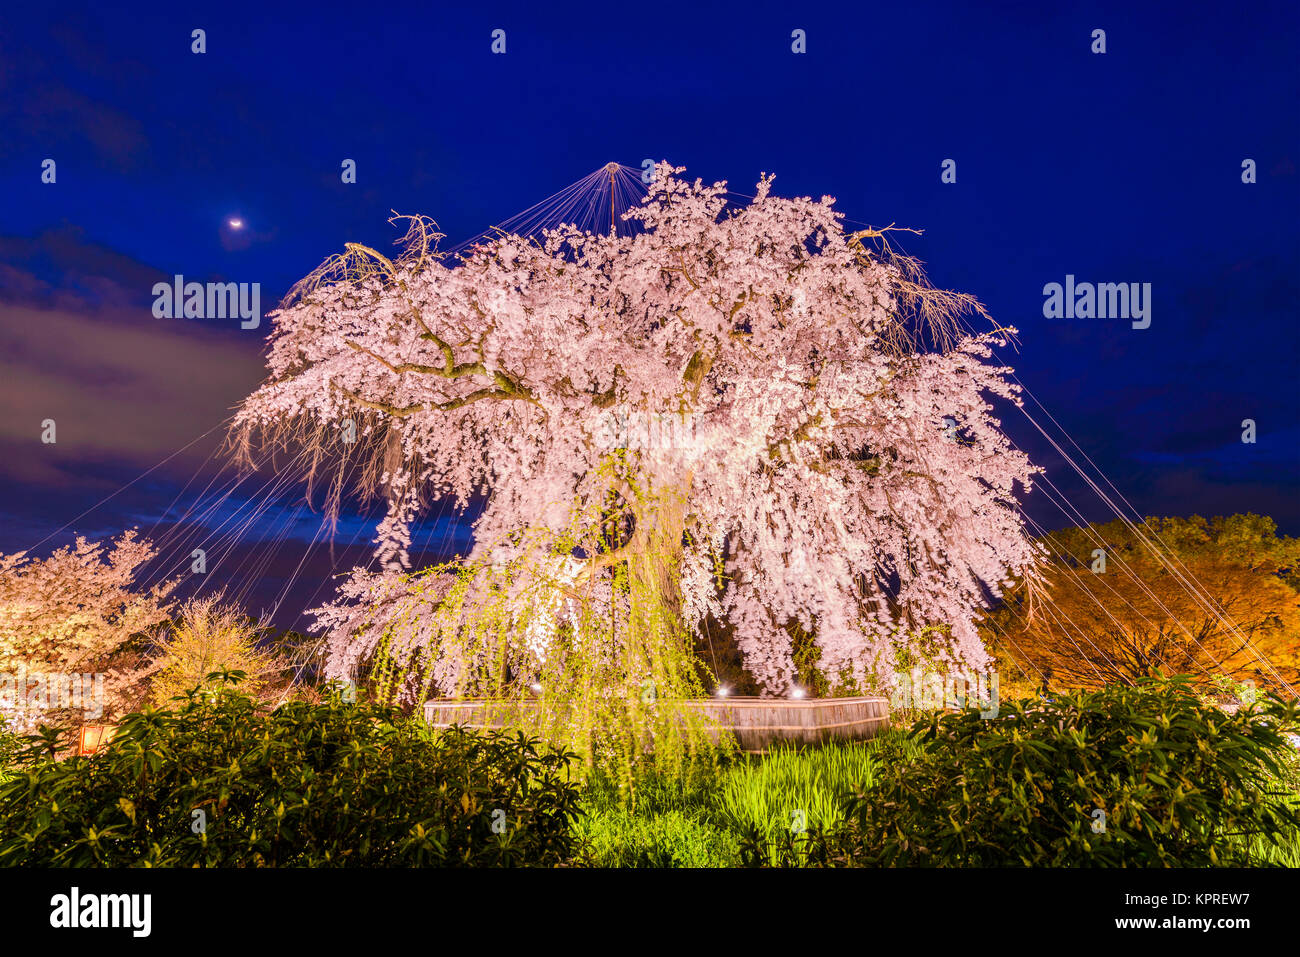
pixel 792 791
pixel 667 820
pixel 1286 786
pixel 1180 782
pixel 302 785
pixel 691 786
pixel 618 837
pixel 714 811
pixel 9 744
pixel 759 801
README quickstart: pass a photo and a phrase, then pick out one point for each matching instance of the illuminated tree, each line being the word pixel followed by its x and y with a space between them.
pixel 1210 598
pixel 744 413
pixel 74 612
pixel 208 636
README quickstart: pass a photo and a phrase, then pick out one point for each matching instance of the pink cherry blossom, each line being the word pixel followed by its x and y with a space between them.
pixel 759 366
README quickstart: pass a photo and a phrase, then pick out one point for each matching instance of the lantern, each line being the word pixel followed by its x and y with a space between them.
pixel 94 737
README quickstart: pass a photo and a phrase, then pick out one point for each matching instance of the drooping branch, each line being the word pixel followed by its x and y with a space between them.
pixel 507 387
pixel 401 412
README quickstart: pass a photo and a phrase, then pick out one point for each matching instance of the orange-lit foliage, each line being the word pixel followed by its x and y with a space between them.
pixel 1211 598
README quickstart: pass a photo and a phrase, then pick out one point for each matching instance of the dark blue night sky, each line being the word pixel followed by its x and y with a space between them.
pixel 1121 167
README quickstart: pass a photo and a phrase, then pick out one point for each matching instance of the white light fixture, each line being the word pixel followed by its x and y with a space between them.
pixel 236 224
pixel 796 693
pixel 722 691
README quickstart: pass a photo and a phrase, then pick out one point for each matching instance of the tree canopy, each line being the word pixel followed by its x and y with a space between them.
pixel 740 412
pixel 74 612
pixel 1214 597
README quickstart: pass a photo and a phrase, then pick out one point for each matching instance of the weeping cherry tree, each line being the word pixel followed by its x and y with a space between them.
pixel 741 415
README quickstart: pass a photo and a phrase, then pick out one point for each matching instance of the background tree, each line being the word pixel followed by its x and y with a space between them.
pixel 1205 598
pixel 208 636
pixel 79 612
pixel 739 412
